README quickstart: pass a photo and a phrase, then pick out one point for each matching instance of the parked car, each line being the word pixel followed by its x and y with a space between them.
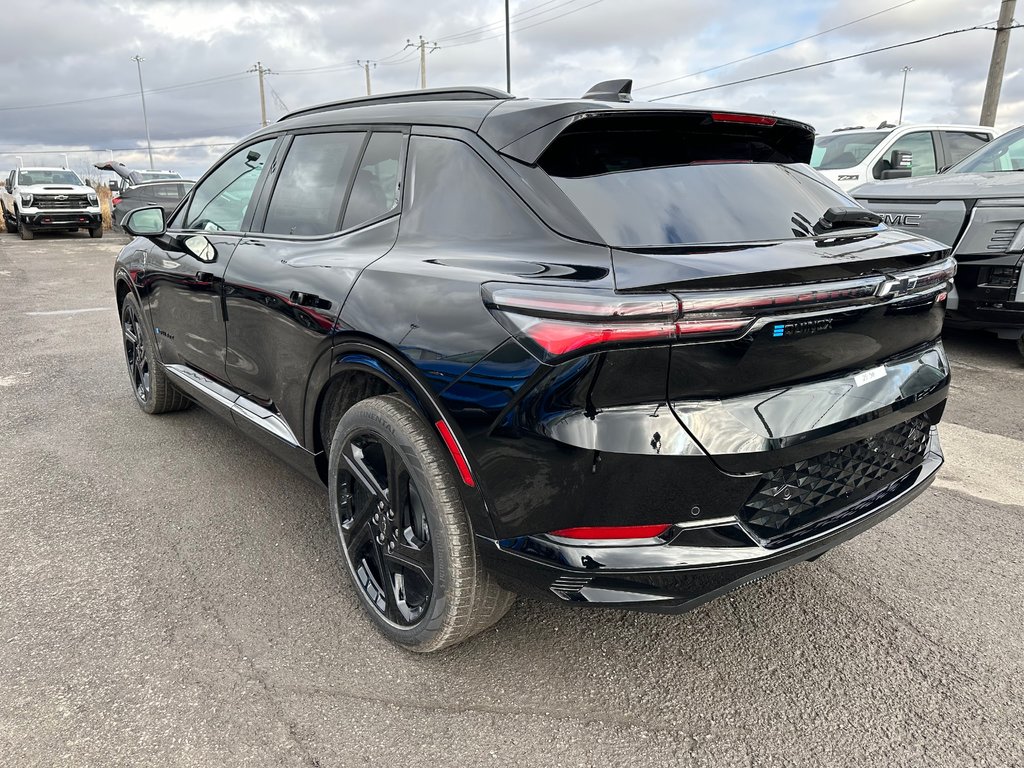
pixel 976 208
pixel 128 177
pixel 49 199
pixel 852 156
pixel 166 194
pixel 599 352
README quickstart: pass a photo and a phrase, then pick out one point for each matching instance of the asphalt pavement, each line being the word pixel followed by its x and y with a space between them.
pixel 171 595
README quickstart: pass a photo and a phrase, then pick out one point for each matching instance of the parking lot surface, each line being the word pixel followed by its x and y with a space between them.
pixel 170 594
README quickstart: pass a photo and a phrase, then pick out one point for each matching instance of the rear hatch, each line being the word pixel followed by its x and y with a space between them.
pixel 721 212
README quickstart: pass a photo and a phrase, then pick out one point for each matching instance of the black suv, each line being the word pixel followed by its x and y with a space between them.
pixel 606 353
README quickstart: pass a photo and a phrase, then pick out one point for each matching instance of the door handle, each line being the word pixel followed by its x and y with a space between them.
pixel 309 300
pixel 205 277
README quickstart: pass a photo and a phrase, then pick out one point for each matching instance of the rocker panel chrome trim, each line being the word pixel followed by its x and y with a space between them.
pixel 236 404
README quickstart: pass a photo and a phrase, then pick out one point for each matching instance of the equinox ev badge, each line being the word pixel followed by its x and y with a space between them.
pixel 902 219
pixel 801 328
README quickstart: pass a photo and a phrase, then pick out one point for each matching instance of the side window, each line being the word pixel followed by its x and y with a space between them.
pixel 452 194
pixel 375 191
pixel 923 149
pixel 221 201
pixel 959 144
pixel 310 191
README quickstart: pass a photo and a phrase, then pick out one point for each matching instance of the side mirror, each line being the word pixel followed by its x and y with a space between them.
pixel 113 185
pixel 201 248
pixel 145 222
pixel 901 160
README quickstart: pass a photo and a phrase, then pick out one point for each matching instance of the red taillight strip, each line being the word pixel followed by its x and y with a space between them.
pixel 558 337
pixel 456 451
pixel 605 532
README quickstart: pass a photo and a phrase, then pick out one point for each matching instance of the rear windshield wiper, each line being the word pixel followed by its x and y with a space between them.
pixel 838 217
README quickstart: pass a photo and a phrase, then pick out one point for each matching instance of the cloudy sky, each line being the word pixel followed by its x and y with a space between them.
pixel 70 85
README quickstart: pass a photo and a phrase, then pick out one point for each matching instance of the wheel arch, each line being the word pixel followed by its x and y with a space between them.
pixel 365 367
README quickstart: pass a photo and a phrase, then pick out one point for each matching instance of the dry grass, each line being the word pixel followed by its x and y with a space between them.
pixel 103 192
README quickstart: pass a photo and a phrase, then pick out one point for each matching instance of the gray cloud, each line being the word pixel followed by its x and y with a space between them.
pixel 79 53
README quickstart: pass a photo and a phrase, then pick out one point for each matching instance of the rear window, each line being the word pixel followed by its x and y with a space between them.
pixel 674 187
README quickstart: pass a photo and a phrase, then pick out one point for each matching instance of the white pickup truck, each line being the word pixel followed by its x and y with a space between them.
pixel 49 199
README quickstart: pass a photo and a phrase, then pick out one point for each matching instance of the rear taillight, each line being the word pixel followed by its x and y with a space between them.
pixel 553 321
pixel 558 322
pixel 115 200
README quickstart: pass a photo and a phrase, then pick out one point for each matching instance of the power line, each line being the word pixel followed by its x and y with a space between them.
pixel 195 83
pixel 828 61
pixel 529 26
pixel 776 48
pixel 523 14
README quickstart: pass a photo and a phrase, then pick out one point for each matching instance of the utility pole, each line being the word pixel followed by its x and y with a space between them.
pixel 366 68
pixel 149 144
pixel 903 95
pixel 261 70
pixel 508 53
pixel 422 45
pixel 998 63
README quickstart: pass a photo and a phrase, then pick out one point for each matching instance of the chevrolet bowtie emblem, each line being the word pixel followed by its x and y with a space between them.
pixel 892 288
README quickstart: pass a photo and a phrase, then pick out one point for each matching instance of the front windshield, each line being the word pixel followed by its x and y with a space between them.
pixel 1003 154
pixel 31 176
pixel 844 150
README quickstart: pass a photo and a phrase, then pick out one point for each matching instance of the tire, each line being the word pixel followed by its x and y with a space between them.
pixel 96 232
pixel 26 233
pixel 154 392
pixel 1020 344
pixel 384 455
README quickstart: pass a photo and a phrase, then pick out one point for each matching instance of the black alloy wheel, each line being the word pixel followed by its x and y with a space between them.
pixel 384 530
pixel 153 392
pixel 404 531
pixel 135 353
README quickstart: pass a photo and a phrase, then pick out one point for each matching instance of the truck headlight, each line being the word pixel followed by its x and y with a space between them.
pixel 26 200
pixel 93 200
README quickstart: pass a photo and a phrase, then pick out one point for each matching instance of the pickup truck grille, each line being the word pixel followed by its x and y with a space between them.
pixel 55 203
pixel 797 495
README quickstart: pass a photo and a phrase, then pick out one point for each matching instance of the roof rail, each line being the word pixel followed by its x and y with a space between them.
pixel 471 93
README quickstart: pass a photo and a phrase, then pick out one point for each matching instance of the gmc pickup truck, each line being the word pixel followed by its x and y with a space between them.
pixel 49 199
pixel 977 208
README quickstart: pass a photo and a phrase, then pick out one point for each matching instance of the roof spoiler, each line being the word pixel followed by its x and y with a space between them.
pixel 611 90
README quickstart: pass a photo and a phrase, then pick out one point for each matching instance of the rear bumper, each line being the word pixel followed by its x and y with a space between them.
pixel 693 563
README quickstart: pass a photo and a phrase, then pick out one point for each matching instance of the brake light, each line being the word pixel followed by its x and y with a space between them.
pixel 606 532
pixel 115 200
pixel 732 117
pixel 556 321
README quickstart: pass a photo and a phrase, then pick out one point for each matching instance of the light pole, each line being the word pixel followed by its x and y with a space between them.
pixel 149 144
pixel 65 160
pixel 903 95
pixel 20 163
pixel 508 53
